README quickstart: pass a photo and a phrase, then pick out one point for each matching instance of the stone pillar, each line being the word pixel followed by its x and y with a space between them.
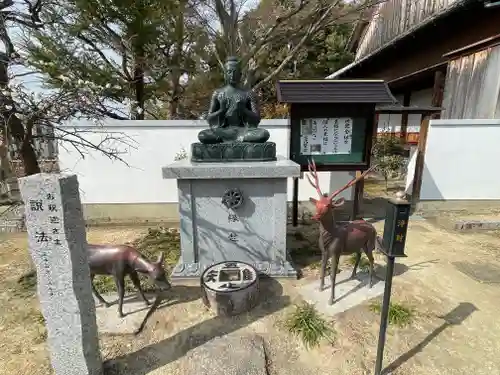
pixel 58 246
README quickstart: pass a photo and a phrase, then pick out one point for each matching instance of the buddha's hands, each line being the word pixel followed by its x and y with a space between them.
pixel 223 107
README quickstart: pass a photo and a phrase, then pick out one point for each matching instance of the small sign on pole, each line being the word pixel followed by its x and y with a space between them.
pixel 392 245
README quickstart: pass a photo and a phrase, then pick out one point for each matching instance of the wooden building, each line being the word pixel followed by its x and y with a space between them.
pixel 444 53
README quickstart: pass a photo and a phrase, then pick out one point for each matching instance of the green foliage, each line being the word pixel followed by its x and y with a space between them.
pixel 130 53
pixel 399 314
pixel 133 57
pixel 323 54
pixel 387 155
pixel 306 323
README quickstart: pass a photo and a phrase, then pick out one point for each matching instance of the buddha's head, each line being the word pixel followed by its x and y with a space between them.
pixel 232 71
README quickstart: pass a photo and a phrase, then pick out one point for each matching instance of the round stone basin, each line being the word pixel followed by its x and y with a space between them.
pixel 230 288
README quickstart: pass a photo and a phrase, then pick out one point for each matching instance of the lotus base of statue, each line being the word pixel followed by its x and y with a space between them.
pixel 233 152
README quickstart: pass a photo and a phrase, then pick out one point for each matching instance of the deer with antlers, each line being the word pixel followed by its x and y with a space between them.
pixel 336 240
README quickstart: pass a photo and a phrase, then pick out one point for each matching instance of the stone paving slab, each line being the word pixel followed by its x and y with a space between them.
pixel 232 354
pixel 482 272
pixel 348 293
pixel 471 225
pixel 134 309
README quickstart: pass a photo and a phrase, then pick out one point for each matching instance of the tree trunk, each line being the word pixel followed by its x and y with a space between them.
pixel 29 158
pixel 139 87
pixel 138 79
pixel 177 61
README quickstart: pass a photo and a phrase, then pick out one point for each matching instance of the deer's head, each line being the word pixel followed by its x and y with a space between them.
pixel 325 202
pixel 157 273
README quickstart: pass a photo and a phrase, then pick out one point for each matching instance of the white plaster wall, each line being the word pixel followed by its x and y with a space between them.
pixel 153 145
pixel 461 159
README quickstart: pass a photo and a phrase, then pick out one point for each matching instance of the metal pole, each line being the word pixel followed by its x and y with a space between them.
pixel 384 314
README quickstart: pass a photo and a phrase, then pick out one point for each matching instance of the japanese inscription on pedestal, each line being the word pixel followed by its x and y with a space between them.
pixel 232 218
pixel 48 235
pixel 326 136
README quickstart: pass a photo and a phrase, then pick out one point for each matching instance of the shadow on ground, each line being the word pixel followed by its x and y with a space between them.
pixel 400 268
pixel 177 294
pixel 455 317
pixel 159 354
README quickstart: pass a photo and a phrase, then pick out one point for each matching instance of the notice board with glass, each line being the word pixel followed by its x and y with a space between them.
pixel 330 140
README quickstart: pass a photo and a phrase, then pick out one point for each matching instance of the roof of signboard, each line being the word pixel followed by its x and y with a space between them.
pixel 334 91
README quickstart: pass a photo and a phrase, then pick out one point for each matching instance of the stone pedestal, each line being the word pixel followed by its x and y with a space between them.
pixel 58 245
pixel 254 232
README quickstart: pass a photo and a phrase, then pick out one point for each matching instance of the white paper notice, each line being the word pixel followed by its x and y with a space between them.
pixel 325 136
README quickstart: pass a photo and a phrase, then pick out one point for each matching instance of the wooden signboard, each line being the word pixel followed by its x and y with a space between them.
pixel 332 121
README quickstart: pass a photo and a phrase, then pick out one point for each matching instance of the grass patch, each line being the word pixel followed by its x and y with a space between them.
pixel 299 236
pixel 41 335
pixel 305 256
pixel 26 285
pixel 306 323
pixel 399 314
pixel 364 263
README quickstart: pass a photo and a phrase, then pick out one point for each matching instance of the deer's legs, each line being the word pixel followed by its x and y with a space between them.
pixel 356 264
pixel 137 283
pixel 322 271
pixel 96 293
pixel 120 286
pixel 369 255
pixel 333 276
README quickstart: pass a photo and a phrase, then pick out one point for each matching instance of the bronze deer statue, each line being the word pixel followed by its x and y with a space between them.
pixel 122 260
pixel 336 240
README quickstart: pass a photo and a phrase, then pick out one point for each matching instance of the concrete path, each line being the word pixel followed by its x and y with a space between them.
pixel 348 292
pixel 134 308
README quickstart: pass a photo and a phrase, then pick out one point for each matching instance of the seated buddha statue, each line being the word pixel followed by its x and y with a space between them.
pixel 233 114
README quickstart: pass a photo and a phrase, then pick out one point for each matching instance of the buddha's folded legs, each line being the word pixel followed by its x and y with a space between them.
pixel 219 135
pixel 256 135
pixel 208 136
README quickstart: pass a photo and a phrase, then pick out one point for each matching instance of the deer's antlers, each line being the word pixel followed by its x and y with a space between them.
pixel 311 165
pixel 352 182
pixel 312 170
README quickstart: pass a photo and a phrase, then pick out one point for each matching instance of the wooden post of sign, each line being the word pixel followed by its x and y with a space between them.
pixel 437 99
pixel 419 163
pixel 358 197
pixel 404 117
pixel 295 202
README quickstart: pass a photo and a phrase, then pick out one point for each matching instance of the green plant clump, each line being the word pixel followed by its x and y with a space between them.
pixel 399 314
pixel 387 155
pixel 306 323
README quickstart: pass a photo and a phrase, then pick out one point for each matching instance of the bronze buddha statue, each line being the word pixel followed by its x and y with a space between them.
pixel 234 113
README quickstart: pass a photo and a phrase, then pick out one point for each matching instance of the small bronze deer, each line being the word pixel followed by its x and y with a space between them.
pixel 122 260
pixel 336 240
